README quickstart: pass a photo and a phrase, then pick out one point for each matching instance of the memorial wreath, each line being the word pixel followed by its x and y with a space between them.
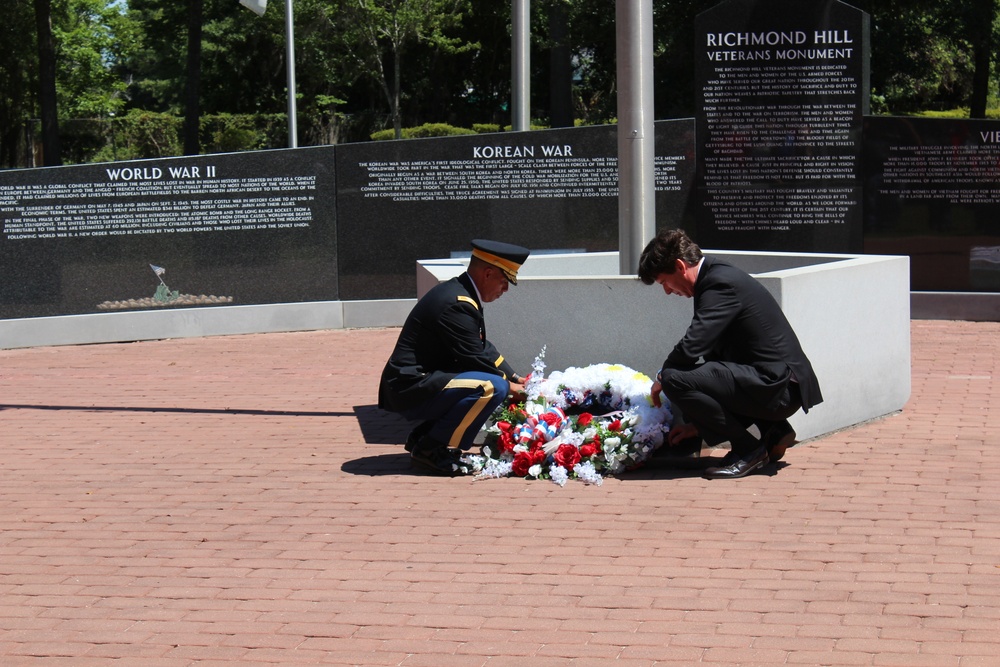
pixel 581 423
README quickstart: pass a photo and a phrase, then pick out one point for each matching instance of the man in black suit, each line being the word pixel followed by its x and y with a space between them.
pixel 443 370
pixel 738 364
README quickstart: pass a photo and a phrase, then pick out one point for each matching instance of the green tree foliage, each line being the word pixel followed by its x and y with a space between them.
pixel 94 40
pixel 243 68
pixel 363 65
pixel 382 30
pixel 924 53
pixel 18 78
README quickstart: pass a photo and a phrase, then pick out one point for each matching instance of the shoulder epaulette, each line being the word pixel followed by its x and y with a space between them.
pixel 468 299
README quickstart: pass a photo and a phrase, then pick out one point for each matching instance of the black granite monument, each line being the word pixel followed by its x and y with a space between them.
pixel 783 87
pixel 932 191
pixel 244 228
pixel 551 191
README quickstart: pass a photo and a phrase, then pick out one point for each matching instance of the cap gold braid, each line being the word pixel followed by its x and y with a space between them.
pixel 507 266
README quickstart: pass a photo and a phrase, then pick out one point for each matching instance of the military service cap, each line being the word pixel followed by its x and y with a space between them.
pixel 505 256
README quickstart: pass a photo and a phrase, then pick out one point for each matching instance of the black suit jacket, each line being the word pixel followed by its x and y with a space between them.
pixel 737 320
pixel 444 335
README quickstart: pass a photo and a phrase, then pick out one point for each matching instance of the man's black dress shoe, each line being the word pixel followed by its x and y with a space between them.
pixel 777 438
pixel 437 458
pixel 685 448
pixel 416 434
pixel 755 460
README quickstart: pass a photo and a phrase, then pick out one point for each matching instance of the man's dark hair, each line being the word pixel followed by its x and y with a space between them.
pixel 661 254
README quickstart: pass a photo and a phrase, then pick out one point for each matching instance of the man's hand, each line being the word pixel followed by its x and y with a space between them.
pixel 654 393
pixel 680 432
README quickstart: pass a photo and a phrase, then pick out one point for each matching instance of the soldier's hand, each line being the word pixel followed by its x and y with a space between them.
pixel 516 391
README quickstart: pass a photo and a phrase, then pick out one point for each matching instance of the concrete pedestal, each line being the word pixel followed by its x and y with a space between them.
pixel 850 312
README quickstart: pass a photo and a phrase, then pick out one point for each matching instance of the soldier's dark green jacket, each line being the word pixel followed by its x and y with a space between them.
pixel 444 335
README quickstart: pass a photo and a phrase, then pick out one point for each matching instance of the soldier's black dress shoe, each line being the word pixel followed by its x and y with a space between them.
pixel 416 434
pixel 777 438
pixel 436 458
pixel 742 467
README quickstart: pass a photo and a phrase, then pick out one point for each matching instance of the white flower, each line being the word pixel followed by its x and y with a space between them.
pixel 587 473
pixel 558 474
pixel 608 392
pixel 495 468
pixel 534 385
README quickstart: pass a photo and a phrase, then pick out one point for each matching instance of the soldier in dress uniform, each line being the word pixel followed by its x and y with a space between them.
pixel 443 370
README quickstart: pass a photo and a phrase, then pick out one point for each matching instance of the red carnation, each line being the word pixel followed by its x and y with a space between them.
pixel 538 456
pixel 503 426
pixel 567 456
pixel 588 450
pixel 550 418
pixel 584 419
pixel 521 464
pixel 506 442
pixel 616 425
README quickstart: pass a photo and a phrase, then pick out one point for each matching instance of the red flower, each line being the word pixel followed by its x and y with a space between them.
pixel 503 426
pixel 616 425
pixel 521 463
pixel 550 418
pixel 589 449
pixel 567 456
pixel 584 419
pixel 506 442
pixel 537 456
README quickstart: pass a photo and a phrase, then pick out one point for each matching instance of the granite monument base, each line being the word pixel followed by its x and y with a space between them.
pixel 851 313
pixel 195 322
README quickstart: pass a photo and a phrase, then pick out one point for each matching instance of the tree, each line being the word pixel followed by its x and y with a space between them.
pixel 386 28
pixel 974 25
pixel 928 55
pixel 93 39
pixel 192 90
pixel 18 74
pixel 51 153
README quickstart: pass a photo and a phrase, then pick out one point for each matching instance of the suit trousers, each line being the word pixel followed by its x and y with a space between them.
pixel 456 413
pixel 712 398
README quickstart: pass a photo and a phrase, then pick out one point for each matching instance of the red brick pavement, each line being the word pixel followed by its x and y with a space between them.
pixel 239 500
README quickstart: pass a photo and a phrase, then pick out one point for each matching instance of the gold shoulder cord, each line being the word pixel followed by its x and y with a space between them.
pixel 468 299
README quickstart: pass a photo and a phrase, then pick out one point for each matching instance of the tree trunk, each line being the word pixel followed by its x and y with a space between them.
pixel 51 151
pixel 397 116
pixel 560 69
pixel 982 13
pixel 192 86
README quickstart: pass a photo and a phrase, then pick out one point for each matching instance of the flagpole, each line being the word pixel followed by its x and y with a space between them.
pixel 159 271
pixel 293 134
pixel 520 104
pixel 258 7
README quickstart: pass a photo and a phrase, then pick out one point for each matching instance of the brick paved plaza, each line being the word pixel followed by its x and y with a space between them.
pixel 240 500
